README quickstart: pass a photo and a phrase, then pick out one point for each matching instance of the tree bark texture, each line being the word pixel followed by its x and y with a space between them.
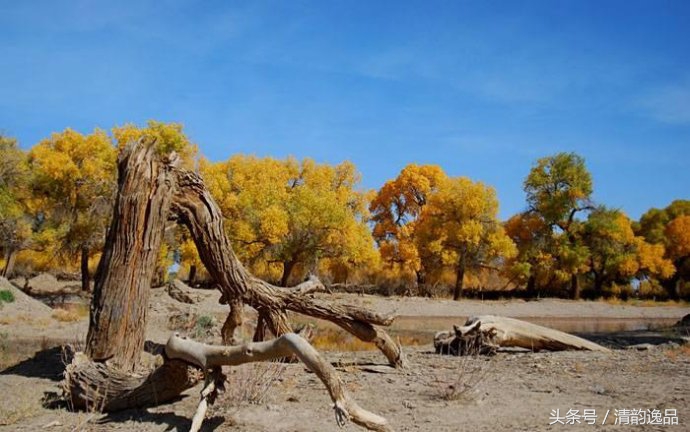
pixel 123 280
pixel 96 386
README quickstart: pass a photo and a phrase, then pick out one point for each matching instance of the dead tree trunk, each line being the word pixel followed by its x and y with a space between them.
pixel 103 379
pixel 196 209
pixel 486 333
pixel 231 331
pixel 123 278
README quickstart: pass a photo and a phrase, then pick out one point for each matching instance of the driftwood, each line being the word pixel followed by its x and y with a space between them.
pixel 110 375
pixel 485 334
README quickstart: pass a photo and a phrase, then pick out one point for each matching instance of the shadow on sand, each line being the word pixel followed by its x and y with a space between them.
pixel 174 421
pixel 45 364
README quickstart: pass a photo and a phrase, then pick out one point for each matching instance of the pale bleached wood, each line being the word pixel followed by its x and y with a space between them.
pixel 210 356
pixel 488 332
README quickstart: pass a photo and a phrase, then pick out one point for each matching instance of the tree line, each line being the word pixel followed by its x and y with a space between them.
pixel 421 233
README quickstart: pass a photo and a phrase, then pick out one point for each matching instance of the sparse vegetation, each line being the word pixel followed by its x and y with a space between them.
pixel 65 315
pixel 463 382
pixel 6 296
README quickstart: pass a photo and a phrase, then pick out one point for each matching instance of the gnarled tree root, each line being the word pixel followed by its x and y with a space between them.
pixel 96 386
pixel 99 387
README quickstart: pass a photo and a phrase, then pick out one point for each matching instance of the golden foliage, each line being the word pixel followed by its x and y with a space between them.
pixel 395 210
pixel 677 235
pixel 286 215
pixel 460 226
pixel 170 137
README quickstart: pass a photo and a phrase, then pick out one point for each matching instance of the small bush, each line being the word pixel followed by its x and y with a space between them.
pixel 6 296
pixel 204 324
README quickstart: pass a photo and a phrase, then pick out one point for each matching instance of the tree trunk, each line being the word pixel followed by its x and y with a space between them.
pixel 574 287
pixel 531 286
pixel 192 275
pixel 85 276
pixel 123 279
pixel 421 284
pixel 459 281
pixel 232 328
pixel 196 209
pixel 288 266
pixel 598 283
pixel 10 258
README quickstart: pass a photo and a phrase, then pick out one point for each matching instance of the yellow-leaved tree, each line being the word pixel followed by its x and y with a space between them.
pixel 460 226
pixel 73 179
pixel 15 224
pixel 616 254
pixel 395 211
pixel 677 235
pixel 169 137
pixel 286 217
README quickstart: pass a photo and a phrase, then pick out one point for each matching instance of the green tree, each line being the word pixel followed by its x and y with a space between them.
pixel 616 254
pixel 558 189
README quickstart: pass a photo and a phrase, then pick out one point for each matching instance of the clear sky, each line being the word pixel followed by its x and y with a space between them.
pixel 481 88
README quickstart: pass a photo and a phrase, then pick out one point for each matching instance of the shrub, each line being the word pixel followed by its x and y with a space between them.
pixel 6 296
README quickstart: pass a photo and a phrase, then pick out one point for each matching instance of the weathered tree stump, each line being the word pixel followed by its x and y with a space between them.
pixel 110 376
pixel 123 278
pixel 485 334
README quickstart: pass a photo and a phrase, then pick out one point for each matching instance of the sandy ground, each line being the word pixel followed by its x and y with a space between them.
pixel 507 392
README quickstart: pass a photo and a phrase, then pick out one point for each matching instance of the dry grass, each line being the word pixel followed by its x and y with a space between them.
pixel 18 407
pixel 64 315
pixel 463 379
pixel 681 352
pixel 329 339
pixel 251 383
pixel 615 301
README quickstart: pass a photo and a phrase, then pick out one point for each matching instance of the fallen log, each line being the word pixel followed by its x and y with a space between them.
pixel 486 333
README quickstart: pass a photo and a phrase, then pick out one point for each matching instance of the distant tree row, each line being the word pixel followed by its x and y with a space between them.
pixel 422 233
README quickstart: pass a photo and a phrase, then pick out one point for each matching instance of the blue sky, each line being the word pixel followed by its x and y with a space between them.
pixel 482 88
